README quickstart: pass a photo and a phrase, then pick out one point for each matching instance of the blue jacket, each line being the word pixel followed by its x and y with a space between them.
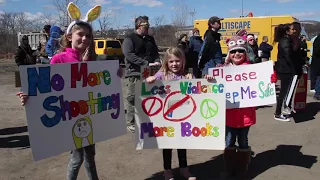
pixel 52 45
pixel 266 50
pixel 210 54
pixel 195 43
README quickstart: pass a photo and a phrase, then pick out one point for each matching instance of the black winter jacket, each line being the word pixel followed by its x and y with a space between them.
pixel 315 63
pixel 285 63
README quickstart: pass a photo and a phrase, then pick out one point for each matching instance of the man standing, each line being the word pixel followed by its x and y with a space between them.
pixel 139 50
pixel 266 49
pixel 211 55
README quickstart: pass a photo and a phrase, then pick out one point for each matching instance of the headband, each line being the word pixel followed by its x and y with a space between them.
pixel 75 14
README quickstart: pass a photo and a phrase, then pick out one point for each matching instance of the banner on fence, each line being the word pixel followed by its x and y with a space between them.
pixel 184 114
pixel 247 85
pixel 72 105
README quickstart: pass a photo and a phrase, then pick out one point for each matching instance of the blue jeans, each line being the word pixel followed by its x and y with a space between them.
pixel 77 157
pixel 240 134
pixel 317 87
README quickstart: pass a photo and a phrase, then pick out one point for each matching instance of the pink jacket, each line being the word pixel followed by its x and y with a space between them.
pixel 241 117
pixel 69 56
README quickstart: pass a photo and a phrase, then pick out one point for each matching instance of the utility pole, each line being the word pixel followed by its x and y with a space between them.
pixel 242 8
pixel 192 14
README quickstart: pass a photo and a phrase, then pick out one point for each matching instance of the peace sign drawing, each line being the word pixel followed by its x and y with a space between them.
pixel 209 108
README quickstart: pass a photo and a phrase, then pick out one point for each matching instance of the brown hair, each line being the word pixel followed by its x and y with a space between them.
pixel 89 54
pixel 179 54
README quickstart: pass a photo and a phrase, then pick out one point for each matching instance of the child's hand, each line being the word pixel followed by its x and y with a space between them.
pixel 23 98
pixel 120 72
pixel 209 77
pixel 151 79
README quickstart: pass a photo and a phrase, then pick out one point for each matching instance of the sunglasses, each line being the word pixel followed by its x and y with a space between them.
pixel 144 25
pixel 237 50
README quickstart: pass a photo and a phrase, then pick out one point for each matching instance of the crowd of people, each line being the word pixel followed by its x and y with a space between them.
pixel 140 49
pixel 49 44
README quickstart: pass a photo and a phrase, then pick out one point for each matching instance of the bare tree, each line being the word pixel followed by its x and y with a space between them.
pixel 158 22
pixel 118 16
pixel 104 22
pixel 180 14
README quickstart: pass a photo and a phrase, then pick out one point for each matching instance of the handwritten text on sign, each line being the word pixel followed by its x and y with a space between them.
pixel 247 85
pixel 72 105
pixel 186 114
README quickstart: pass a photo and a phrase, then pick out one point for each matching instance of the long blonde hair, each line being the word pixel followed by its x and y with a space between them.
pixel 173 51
pixel 89 54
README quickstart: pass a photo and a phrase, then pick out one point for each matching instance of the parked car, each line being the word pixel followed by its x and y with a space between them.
pixel 109 49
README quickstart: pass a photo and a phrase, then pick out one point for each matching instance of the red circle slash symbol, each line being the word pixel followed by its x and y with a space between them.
pixel 178 104
pixel 150 109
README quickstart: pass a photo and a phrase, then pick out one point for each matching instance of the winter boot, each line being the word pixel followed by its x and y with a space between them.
pixel 244 158
pixel 230 160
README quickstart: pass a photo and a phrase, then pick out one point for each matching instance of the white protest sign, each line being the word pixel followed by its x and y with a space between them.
pixel 247 85
pixel 184 114
pixel 72 105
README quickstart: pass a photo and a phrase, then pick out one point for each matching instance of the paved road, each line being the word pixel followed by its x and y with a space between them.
pixel 282 150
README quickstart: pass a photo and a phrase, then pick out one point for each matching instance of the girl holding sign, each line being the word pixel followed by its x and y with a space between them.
pixel 238 120
pixel 77 45
pixel 173 68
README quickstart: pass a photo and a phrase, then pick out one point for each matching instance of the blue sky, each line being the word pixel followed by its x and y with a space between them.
pixel 122 12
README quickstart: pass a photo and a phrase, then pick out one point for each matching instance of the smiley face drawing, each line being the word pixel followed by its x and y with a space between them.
pixel 82 129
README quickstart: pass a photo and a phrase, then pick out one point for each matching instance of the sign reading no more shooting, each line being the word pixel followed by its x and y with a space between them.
pixel 72 105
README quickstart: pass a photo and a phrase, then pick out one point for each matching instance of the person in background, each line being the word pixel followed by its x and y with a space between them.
pixel 304 48
pixel 210 55
pixel 195 44
pixel 24 54
pixel 285 67
pixel 53 43
pixel 313 76
pixel 139 50
pixel 315 66
pixel 42 55
pixel 266 49
pixel 253 49
pixel 183 43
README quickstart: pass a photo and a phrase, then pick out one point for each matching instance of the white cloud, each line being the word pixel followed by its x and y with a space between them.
pixel 149 3
pixel 33 17
pixel 99 2
pixel 306 14
pixel 279 1
pixel 2 1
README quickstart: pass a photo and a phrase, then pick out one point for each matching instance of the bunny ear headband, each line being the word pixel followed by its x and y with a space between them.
pixel 74 13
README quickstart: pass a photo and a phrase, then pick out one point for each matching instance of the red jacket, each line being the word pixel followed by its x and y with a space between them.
pixel 241 117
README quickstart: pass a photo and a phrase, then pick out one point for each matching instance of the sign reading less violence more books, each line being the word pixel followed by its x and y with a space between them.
pixel 247 85
pixel 72 105
pixel 187 114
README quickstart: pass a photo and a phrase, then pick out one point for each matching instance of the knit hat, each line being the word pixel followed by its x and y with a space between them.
pixel 236 43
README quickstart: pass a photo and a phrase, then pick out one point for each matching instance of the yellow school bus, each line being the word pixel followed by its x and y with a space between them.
pixel 260 26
